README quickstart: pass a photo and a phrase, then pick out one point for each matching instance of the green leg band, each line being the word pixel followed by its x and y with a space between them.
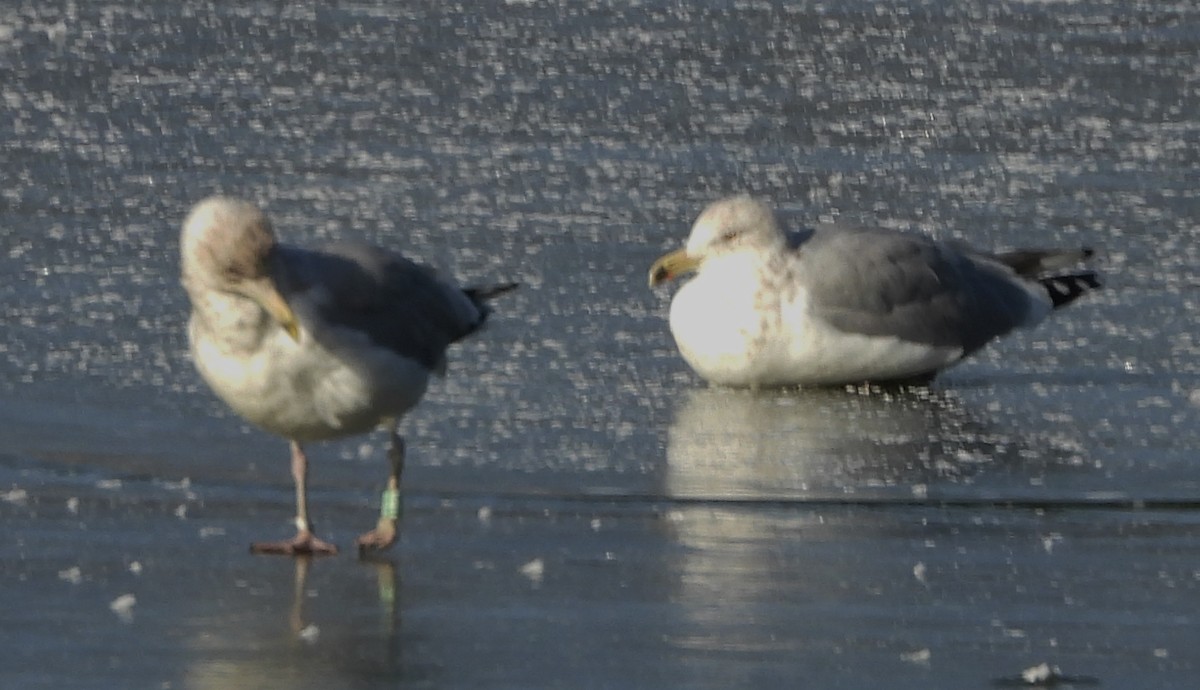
pixel 389 505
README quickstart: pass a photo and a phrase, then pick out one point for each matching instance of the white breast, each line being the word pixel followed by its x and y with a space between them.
pixel 307 391
pixel 734 332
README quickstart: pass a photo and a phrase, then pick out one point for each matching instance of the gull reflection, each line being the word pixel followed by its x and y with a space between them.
pixel 320 625
pixel 306 629
pixel 802 515
pixel 823 444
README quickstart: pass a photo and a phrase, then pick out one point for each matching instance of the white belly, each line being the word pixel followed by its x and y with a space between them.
pixel 305 392
pixel 737 338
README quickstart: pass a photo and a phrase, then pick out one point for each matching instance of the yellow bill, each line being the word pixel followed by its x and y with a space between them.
pixel 671 266
pixel 264 292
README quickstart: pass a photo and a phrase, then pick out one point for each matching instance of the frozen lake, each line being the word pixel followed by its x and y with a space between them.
pixel 582 510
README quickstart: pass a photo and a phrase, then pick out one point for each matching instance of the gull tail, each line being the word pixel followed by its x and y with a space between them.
pixel 479 296
pixel 1066 288
pixel 481 293
pixel 1032 263
pixel 1062 288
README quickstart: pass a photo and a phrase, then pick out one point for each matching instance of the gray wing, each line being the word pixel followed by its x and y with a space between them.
pixel 886 283
pixel 400 305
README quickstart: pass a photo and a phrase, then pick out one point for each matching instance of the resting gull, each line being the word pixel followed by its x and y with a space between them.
pixel 317 344
pixel 836 305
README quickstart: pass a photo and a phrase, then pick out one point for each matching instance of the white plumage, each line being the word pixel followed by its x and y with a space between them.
pixel 316 344
pixel 839 305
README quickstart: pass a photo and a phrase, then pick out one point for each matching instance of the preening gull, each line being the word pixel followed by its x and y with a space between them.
pixel 317 344
pixel 836 305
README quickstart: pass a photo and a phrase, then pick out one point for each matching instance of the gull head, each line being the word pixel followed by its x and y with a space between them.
pixel 226 247
pixel 725 228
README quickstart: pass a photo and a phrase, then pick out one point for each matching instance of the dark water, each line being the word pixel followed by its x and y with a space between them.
pixel 1036 505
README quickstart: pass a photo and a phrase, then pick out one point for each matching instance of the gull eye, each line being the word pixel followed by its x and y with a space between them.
pixel 731 235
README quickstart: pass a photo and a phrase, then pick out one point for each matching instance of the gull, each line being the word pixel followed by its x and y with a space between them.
pixel 837 305
pixel 317 344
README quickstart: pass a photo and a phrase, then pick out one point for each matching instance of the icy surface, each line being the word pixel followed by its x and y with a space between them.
pixel 1036 506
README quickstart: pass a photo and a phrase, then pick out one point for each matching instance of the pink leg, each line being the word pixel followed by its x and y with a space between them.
pixel 305 542
pixel 384 534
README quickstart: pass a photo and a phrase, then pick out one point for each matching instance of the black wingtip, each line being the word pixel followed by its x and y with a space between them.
pixel 1064 289
pixel 481 293
pixel 1035 263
